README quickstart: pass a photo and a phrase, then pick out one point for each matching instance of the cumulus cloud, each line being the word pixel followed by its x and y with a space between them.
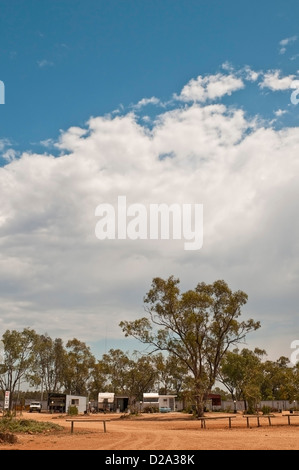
pixel 7 153
pixel 47 143
pixel 210 87
pixel 280 112
pixel 251 75
pixel 275 82
pixel 56 276
pixel 146 101
pixel 10 155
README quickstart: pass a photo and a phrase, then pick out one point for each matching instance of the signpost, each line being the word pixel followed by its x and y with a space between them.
pixel 6 400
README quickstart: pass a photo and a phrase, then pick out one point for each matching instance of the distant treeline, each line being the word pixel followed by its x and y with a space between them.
pixel 192 342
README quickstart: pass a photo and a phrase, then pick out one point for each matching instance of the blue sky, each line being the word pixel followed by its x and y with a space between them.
pixel 63 61
pixel 112 85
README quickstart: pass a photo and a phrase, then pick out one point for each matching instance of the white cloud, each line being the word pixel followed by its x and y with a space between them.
pixel 7 153
pixel 47 143
pixel 251 75
pixel 56 276
pixel 286 42
pixel 45 63
pixel 10 155
pixel 146 101
pixel 4 143
pixel 228 67
pixel 274 81
pixel 280 112
pixel 210 87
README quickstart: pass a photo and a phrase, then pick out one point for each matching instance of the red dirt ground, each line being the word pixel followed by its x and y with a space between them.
pixel 172 431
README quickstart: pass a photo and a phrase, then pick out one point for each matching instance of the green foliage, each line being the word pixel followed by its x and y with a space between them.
pixel 9 414
pixel 18 358
pixel 49 365
pixel 172 373
pixel 27 426
pixel 197 327
pixel 129 376
pixel 79 365
pixel 279 381
pixel 72 410
pixel 98 380
pixel 194 333
pixel 266 410
pixel 151 409
pixel 224 395
pixel 248 378
pixel 241 372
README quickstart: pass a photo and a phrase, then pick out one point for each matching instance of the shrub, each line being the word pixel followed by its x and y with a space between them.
pixel 151 409
pixel 266 410
pixel 191 410
pixel 26 426
pixel 73 410
pixel 129 415
pixel 9 414
pixel 8 437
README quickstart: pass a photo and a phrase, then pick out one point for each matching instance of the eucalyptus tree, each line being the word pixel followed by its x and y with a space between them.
pixel 197 327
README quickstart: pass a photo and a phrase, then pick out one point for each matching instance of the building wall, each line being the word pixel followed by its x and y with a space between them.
pixel 160 401
pixel 281 405
pixel 168 402
pixel 79 402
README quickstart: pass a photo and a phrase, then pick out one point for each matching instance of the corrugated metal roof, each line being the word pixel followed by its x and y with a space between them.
pixel 106 396
pixel 151 395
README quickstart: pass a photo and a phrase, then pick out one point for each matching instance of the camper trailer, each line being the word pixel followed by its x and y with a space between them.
pixel 111 402
pixel 106 402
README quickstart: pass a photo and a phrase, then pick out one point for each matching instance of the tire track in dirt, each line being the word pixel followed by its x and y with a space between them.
pixel 162 434
pixel 145 439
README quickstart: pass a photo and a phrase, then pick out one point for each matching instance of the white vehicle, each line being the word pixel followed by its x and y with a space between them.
pixel 35 406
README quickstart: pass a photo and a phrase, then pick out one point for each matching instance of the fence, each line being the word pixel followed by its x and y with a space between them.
pixel 275 405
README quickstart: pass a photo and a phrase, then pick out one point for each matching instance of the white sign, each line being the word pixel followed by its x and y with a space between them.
pixel 6 400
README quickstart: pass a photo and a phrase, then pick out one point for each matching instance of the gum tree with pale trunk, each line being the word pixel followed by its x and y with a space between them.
pixel 197 327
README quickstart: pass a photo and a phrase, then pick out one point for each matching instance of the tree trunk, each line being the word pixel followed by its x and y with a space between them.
pixel 200 405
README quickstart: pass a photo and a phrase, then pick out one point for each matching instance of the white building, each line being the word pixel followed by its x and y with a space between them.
pixel 79 402
pixel 60 402
pixel 159 401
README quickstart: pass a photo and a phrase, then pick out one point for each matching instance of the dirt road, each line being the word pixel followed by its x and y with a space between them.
pixel 173 431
